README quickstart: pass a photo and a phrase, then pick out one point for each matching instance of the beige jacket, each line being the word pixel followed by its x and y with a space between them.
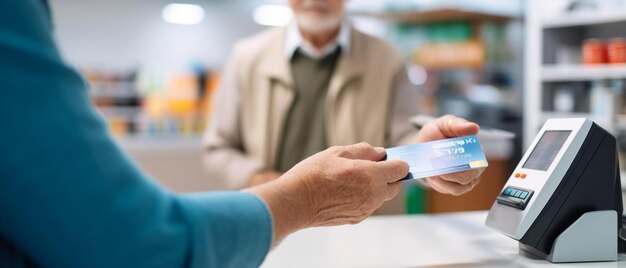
pixel 369 100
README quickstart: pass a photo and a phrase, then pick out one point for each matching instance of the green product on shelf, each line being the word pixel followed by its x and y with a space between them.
pixel 453 31
pixel 415 199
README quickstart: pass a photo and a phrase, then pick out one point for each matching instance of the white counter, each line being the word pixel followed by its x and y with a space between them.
pixel 443 240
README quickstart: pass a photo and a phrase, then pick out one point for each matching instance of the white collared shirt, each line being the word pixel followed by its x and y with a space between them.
pixel 294 40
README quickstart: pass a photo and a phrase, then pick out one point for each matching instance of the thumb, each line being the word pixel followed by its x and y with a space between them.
pixel 452 126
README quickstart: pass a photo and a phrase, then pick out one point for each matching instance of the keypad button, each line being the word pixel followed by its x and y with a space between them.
pixel 507 191
pixel 519 193
pixel 523 195
pixel 517 175
pixel 523 176
pixel 513 192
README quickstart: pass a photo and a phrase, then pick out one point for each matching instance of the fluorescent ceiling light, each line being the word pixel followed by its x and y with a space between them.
pixel 272 15
pixel 187 14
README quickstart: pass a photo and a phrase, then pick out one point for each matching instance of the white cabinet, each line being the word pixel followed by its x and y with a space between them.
pixel 557 83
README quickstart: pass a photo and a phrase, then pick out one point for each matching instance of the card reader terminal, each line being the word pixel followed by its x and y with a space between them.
pixel 565 189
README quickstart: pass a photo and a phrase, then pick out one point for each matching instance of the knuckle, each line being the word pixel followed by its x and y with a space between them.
pixel 362 147
pixel 344 154
pixel 342 151
pixel 364 144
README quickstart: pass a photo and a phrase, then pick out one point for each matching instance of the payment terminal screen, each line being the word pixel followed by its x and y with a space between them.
pixel 548 146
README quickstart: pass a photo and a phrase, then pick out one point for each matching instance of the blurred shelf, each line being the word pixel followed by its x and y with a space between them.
pixel 564 73
pixel 173 142
pixel 467 54
pixel 122 111
pixel 114 95
pixel 113 89
pixel 584 19
pixel 433 15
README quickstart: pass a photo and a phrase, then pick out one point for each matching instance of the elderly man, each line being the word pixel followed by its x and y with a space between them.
pixel 290 92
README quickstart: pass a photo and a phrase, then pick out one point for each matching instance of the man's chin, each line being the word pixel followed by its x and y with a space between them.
pixel 316 24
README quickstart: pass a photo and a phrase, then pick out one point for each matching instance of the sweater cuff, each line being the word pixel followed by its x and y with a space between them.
pixel 231 229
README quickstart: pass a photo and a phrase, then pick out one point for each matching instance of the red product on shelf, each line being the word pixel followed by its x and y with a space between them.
pixel 594 51
pixel 617 50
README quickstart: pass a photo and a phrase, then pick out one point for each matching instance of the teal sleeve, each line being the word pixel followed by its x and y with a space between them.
pixel 69 197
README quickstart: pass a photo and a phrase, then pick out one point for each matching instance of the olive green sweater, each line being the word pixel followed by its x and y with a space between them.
pixel 304 132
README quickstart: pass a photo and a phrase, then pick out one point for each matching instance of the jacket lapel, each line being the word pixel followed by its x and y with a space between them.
pixel 279 94
pixel 349 69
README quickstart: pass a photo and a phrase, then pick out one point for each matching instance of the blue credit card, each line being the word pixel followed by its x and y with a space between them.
pixel 439 157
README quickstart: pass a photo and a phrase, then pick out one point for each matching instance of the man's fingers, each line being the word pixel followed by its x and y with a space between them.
pixel 436 187
pixel 449 187
pixel 393 189
pixel 362 151
pixel 452 126
pixel 464 178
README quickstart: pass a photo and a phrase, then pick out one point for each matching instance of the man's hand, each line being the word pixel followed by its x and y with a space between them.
pixel 445 127
pixel 341 185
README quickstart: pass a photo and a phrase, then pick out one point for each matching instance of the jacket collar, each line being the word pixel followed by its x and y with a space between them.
pixel 275 63
pixel 294 40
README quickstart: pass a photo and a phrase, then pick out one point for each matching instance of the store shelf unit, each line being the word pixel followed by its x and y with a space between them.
pixel 557 83
pixel 152 107
pixel 450 41
pixel 579 72
pixel 584 19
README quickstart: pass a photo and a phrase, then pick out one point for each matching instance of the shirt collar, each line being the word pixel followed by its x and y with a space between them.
pixel 294 41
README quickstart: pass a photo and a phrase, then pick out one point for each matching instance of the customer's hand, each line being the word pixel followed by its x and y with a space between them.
pixel 263 177
pixel 346 184
pixel 341 185
pixel 445 127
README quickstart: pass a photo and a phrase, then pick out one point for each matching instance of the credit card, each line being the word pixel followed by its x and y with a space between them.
pixel 439 157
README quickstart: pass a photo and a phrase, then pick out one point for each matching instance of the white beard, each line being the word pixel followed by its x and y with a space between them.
pixel 315 24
